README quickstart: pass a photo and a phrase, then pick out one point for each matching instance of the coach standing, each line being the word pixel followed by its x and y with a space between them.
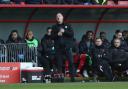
pixel 63 36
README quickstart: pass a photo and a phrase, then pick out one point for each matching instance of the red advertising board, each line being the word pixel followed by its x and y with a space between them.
pixel 9 73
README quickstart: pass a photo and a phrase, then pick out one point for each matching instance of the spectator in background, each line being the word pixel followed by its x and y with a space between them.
pixel 125 36
pixel 85 47
pixel 63 35
pixel 118 35
pixel 31 40
pixel 101 60
pixel 14 37
pixel 48 51
pixel 106 43
pixel 14 40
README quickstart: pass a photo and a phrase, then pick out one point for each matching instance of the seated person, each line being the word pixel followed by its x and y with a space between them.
pixel 14 46
pixel 14 37
pixel 101 60
pixel 85 47
pixel 31 40
pixel 119 35
pixel 119 56
pixel 48 51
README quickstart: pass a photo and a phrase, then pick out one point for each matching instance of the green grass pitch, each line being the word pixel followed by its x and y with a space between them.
pixel 98 85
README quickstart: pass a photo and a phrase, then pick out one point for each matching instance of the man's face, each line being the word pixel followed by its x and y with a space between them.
pixel 117 43
pixel 30 35
pixel 98 42
pixel 125 35
pixel 59 18
pixel 14 35
pixel 90 36
pixel 49 32
pixel 103 36
pixel 119 35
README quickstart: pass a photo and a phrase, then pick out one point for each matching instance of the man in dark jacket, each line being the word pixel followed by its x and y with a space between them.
pixel 85 47
pixel 101 60
pixel 119 35
pixel 48 51
pixel 63 35
pixel 119 56
pixel 86 43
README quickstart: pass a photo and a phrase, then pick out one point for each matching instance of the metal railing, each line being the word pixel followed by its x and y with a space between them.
pixel 17 52
pixel 3 53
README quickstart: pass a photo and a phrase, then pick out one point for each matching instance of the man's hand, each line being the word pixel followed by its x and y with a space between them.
pixel 62 30
pixel 60 34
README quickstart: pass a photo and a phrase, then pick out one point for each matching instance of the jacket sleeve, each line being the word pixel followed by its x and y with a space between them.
pixel 108 55
pixel 43 45
pixel 54 33
pixel 69 31
pixel 82 48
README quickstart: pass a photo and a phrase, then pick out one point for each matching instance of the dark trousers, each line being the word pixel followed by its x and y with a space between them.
pixel 47 63
pixel 103 67
pixel 61 56
pixel 122 67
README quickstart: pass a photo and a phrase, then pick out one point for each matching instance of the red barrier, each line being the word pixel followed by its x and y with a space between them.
pixel 9 73
pixel 68 21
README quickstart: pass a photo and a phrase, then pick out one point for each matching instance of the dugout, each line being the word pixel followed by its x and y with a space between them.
pixel 38 17
pixel 82 18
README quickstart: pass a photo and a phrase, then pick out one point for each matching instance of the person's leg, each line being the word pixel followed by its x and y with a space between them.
pixel 71 63
pixel 52 62
pixel 82 62
pixel 106 69
pixel 125 67
pixel 59 61
pixel 46 64
pixel 66 66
